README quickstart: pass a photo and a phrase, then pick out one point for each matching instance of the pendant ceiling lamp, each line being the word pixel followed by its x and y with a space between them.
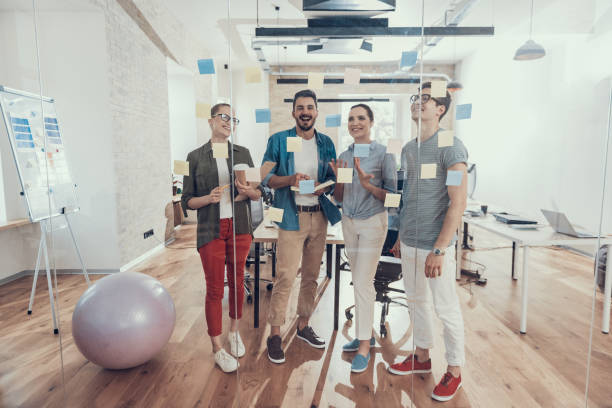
pixel 530 50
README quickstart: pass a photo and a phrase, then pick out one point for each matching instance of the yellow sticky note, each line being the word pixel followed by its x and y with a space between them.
pixel 275 214
pixel 345 175
pixel 294 144
pixel 181 167
pixel 266 168
pixel 220 150
pixel 438 89
pixel 428 171
pixel 253 174
pixel 394 146
pixel 352 76
pixel 392 200
pixel 446 138
pixel 252 75
pixel 203 110
pixel 315 80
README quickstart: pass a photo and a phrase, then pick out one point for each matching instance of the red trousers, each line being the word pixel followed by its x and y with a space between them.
pixel 214 256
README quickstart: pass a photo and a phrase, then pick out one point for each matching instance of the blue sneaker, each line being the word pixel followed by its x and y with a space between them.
pixel 360 363
pixel 354 345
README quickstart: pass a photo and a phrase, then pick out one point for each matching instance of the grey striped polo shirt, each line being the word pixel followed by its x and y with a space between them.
pixel 421 218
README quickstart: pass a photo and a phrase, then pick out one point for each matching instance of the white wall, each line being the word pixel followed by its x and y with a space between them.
pixel 74 72
pixel 181 108
pixel 247 98
pixel 538 127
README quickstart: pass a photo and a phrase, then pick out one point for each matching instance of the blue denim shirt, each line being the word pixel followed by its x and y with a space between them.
pixel 359 203
pixel 285 166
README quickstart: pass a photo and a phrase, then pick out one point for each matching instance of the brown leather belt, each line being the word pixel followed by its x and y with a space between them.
pixel 311 209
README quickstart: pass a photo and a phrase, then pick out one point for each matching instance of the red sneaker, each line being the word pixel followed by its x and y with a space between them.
pixel 411 365
pixel 446 388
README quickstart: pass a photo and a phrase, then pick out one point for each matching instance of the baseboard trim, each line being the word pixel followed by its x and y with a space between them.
pixel 30 272
pixel 144 256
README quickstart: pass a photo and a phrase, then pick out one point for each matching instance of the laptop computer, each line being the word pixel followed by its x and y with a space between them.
pixel 561 224
pixel 512 219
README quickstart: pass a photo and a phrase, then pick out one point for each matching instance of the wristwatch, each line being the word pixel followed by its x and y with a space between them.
pixel 438 252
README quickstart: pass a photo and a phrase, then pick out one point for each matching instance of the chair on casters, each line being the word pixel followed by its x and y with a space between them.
pixel 257 217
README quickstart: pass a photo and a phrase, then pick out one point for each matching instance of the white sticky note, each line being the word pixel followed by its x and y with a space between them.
pixel 345 175
pixel 275 214
pixel 438 89
pixel 352 76
pixel 253 174
pixel 181 168
pixel 394 146
pixel 315 80
pixel 428 171
pixel 294 144
pixel 220 150
pixel 392 200
pixel 446 138
pixel 252 75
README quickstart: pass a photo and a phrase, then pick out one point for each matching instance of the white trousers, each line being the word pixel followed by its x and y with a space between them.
pixel 363 240
pixel 420 290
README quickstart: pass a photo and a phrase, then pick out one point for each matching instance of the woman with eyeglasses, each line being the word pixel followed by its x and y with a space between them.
pixel 221 209
pixel 364 221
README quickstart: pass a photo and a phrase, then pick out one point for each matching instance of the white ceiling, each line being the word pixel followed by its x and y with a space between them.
pixel 510 18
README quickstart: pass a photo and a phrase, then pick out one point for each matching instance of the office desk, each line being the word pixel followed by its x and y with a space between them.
pixel 264 234
pixel 543 236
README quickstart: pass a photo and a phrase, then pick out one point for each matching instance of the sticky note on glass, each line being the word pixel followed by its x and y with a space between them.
pixel 463 111
pixel 454 178
pixel 206 66
pixel 220 150
pixel 446 138
pixel 275 214
pixel 394 146
pixel 294 144
pixel 428 171
pixel 306 186
pixel 181 168
pixel 409 59
pixel 438 89
pixel 252 75
pixel 263 116
pixel 392 200
pixel 333 121
pixel 253 174
pixel 345 175
pixel 352 76
pixel 315 80
pixel 203 110
pixel 361 150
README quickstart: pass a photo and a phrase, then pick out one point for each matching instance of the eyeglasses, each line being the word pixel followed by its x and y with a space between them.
pixel 423 98
pixel 226 118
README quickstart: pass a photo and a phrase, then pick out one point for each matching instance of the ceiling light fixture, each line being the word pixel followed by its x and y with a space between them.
pixel 530 50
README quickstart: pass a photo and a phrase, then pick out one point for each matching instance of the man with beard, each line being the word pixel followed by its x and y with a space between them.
pixel 303 229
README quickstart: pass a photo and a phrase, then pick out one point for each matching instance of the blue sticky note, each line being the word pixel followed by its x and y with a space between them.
pixel 409 59
pixel 306 186
pixel 454 178
pixel 333 121
pixel 361 150
pixel 263 116
pixel 206 66
pixel 463 111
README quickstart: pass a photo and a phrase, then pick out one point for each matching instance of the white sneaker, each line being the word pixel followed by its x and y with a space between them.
pixel 225 362
pixel 236 345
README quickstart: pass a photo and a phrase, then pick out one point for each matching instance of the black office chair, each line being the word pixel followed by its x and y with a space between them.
pixel 257 216
pixel 388 271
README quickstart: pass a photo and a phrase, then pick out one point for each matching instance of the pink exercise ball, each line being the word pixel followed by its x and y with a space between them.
pixel 123 320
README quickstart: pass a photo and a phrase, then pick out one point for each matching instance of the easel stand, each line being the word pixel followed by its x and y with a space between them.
pixel 42 251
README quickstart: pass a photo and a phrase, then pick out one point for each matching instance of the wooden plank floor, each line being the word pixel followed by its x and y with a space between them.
pixel 546 367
